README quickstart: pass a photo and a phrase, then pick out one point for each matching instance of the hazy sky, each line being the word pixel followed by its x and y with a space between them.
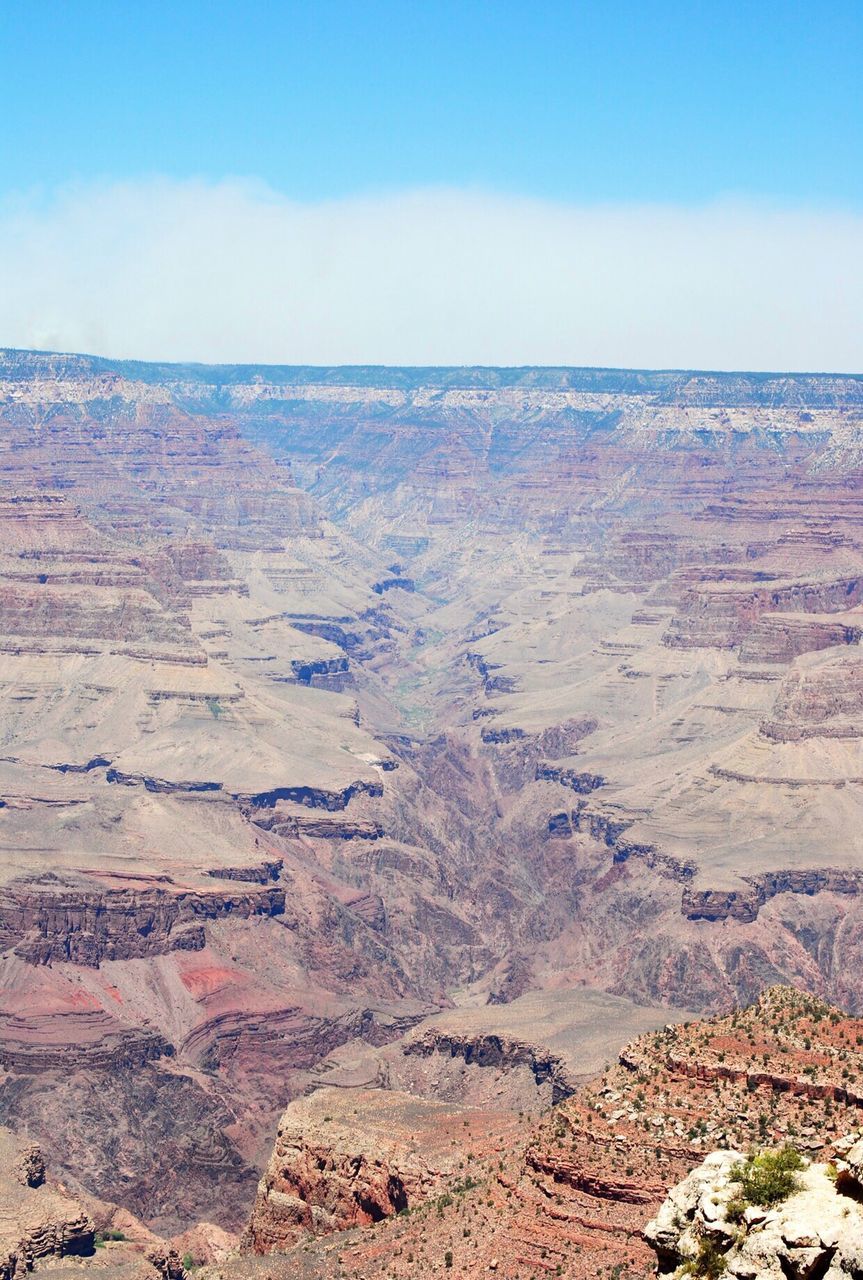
pixel 650 183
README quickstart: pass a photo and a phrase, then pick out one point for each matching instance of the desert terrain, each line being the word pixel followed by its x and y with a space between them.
pixel 401 744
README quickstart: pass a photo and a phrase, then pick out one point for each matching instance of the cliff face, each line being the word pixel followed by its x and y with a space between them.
pixel 39 1222
pixel 821 698
pixel 574 1194
pixel 497 1053
pixel 328 1172
pixel 325 694
pixel 48 923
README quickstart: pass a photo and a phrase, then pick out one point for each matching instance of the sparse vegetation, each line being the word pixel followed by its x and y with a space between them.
pixel 102 1238
pixel 765 1179
pixel 708 1264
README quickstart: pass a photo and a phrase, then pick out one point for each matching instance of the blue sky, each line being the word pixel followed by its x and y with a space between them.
pixel 654 183
pixel 578 101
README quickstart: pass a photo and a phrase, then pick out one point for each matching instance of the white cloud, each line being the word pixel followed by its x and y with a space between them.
pixel 232 271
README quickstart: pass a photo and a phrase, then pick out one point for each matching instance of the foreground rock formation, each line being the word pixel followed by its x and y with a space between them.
pixel 368 1181
pixel 358 1181
pixel 334 1167
pixel 817 1230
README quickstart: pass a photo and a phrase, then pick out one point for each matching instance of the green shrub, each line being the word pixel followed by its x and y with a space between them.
pixel 765 1179
pixel 110 1233
pixel 708 1264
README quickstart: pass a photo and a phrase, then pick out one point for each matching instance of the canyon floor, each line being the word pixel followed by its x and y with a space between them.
pixel 420 735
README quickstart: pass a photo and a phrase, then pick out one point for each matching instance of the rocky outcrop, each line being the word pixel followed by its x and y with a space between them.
pixel 720 615
pixel 330 1170
pixel 29 1167
pixel 332 629
pixel 499 1053
pixel 606 1156
pixel 296 824
pixel 496 737
pixel 721 904
pixel 22 1049
pixel 611 831
pixel 582 783
pixel 789 1067
pixel 37 1221
pixel 560 826
pixel 167 1263
pixel 387 584
pixel 160 786
pixel 572 1173
pixel 704 1228
pixel 519 755
pixel 258 873
pixel 323 673
pixel 50 922
pixel 782 637
pixel 744 904
pixel 819 699
pixel 312 797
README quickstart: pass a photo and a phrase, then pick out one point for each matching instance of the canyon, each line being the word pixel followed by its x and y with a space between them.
pixel 396 745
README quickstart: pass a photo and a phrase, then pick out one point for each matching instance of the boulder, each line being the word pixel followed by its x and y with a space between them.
pixel 816 1231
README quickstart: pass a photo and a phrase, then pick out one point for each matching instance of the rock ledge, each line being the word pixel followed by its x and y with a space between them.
pixel 817 1231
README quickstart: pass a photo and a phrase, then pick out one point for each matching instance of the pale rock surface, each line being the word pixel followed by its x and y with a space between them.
pixel 817 1231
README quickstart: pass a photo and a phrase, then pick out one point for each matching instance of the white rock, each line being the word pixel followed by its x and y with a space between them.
pixel 816 1231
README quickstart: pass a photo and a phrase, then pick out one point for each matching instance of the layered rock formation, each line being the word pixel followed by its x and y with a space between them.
pixel 37 1221
pixel 819 698
pixel 331 698
pixel 330 1169
pixel 573 1195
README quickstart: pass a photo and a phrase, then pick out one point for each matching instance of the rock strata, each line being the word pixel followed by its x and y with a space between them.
pixel 211 659
pixel 37 1221
pixel 330 1170
pixel 571 1195
pixel 45 924
pixel 499 1053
